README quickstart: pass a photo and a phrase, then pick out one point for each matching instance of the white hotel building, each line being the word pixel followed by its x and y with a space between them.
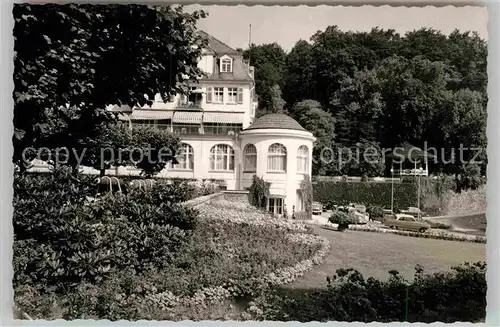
pixel 221 139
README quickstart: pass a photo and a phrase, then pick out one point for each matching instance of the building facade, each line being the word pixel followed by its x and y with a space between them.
pixel 221 139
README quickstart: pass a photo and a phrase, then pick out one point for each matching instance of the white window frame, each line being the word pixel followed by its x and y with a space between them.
pixel 276 158
pixel 185 158
pixel 218 95
pixel 303 159
pixel 276 204
pixel 226 65
pixel 222 158
pixel 250 158
pixel 232 95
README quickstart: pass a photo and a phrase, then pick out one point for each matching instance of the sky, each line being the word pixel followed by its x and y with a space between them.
pixel 286 25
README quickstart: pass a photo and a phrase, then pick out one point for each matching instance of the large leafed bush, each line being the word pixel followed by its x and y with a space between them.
pixel 142 255
pixel 62 239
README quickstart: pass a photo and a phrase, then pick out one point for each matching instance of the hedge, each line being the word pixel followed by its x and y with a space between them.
pixel 374 194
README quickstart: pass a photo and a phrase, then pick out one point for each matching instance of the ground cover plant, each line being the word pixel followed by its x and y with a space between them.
pixel 143 255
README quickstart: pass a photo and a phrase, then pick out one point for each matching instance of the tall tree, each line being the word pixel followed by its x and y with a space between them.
pixel 269 61
pixel 299 74
pixel 71 61
pixel 312 117
pixel 358 105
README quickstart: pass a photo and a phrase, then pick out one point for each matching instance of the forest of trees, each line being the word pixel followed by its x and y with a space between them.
pixel 381 89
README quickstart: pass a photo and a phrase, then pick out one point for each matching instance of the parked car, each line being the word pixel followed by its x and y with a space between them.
pixel 406 222
pixel 362 218
pixel 317 208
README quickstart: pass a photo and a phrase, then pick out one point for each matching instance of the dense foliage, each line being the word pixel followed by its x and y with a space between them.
pixel 342 219
pixel 167 269
pixel 458 295
pixel 432 194
pixel 62 239
pixel 147 149
pixel 306 193
pixel 379 194
pixel 384 89
pixel 259 192
pixel 72 61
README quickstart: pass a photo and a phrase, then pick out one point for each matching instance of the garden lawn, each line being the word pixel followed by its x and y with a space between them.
pixel 375 254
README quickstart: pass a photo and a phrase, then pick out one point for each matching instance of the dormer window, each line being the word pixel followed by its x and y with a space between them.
pixel 226 65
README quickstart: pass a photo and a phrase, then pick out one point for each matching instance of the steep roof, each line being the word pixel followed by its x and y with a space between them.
pixel 217 46
pixel 407 151
pixel 240 68
pixel 276 121
pixel 240 71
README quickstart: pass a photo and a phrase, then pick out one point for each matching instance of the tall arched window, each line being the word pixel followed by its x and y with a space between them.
pixel 276 158
pixel 185 157
pixel 221 157
pixel 250 158
pixel 303 159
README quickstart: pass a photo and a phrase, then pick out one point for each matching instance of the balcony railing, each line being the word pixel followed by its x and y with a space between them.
pixel 192 130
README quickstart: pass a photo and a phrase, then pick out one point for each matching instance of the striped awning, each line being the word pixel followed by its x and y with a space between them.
pixel 188 117
pixel 151 114
pixel 223 117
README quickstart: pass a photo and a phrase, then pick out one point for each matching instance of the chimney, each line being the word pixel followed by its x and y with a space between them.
pixel 251 70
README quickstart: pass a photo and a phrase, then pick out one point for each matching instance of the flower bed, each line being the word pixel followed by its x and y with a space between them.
pixel 245 214
pixel 439 235
pixel 231 212
pixel 234 250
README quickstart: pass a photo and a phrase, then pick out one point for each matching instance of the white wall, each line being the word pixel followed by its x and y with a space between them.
pixel 201 149
pixel 285 183
pixel 206 63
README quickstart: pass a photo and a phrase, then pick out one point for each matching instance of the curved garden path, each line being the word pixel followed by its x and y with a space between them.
pixel 473 222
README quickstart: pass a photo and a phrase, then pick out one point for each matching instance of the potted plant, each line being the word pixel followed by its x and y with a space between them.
pixel 342 219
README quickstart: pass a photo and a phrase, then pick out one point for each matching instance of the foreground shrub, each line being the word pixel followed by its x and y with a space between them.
pixel 40 199
pixel 62 240
pixel 222 259
pixel 156 271
pixel 458 295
